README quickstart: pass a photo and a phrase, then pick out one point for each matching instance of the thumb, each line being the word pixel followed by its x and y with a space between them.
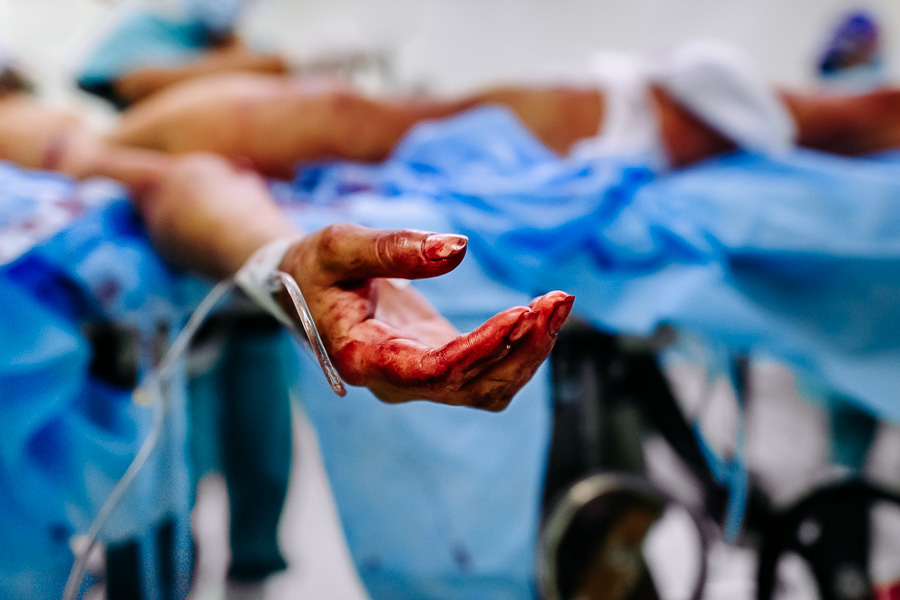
pixel 353 252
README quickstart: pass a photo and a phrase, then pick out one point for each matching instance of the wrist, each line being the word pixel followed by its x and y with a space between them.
pixel 256 276
pixel 262 277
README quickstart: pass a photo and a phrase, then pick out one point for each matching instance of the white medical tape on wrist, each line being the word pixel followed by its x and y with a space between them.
pixel 260 278
pixel 256 277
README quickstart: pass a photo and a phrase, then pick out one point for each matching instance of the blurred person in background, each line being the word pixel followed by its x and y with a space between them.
pixel 145 47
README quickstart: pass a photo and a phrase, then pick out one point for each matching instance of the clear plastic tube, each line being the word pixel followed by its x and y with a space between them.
pixel 152 389
pixel 312 334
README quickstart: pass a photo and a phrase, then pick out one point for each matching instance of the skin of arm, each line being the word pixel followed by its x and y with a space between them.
pixel 204 214
pixel 275 122
pixel 234 56
pixel 39 136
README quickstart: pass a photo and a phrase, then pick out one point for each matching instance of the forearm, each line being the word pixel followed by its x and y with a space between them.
pixel 212 218
pixel 201 212
pixel 353 126
pixel 144 81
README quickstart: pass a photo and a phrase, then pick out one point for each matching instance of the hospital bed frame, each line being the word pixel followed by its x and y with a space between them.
pixel 610 392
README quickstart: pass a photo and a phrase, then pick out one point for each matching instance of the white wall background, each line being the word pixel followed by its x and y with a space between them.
pixel 454 45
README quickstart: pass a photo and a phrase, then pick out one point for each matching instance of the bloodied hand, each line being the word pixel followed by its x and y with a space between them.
pixel 388 338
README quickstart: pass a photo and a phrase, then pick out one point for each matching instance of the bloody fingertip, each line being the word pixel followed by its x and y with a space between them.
pixel 522 326
pixel 441 246
pixel 560 314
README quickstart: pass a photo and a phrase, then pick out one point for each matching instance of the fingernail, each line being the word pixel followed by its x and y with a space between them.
pixel 560 314
pixel 522 326
pixel 439 246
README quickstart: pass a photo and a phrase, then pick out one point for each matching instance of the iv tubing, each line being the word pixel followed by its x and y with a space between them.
pixel 153 388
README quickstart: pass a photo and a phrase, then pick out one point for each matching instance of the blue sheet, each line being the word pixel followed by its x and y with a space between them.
pixel 437 502
pixel 76 255
pixel 797 257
